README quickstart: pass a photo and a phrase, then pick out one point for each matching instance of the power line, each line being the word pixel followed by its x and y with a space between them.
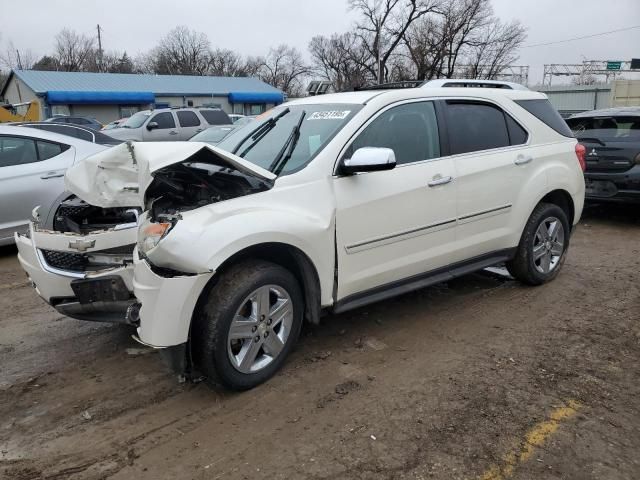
pixel 581 38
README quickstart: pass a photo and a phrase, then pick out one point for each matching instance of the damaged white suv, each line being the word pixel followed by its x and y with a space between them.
pixel 327 204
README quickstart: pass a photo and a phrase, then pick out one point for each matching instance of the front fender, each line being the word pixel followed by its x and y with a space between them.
pixel 204 240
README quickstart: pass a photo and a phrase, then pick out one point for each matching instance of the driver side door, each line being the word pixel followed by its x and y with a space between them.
pixel 394 226
pixel 164 131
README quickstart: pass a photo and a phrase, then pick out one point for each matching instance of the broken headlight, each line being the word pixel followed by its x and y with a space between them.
pixel 150 235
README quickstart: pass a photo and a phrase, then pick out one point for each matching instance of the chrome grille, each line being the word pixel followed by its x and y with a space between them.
pixel 74 262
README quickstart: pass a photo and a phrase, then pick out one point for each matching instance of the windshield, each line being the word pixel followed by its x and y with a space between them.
pixel 263 140
pixel 136 120
pixel 617 129
pixel 212 135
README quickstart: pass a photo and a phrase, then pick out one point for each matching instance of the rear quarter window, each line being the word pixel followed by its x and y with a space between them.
pixel 215 117
pixel 188 119
pixel 544 111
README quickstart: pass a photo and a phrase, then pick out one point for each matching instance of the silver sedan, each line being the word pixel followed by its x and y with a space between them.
pixel 32 167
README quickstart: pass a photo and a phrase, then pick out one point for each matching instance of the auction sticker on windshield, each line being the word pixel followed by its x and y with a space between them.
pixel 332 115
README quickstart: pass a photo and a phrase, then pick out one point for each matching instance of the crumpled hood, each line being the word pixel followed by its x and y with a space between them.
pixel 119 176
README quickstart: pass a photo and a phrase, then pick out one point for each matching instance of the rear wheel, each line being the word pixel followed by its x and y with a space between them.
pixel 543 246
pixel 248 324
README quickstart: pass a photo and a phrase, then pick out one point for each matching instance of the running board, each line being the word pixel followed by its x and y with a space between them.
pixel 423 280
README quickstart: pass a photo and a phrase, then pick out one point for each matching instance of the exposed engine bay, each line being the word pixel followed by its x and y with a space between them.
pixel 77 216
pixel 195 183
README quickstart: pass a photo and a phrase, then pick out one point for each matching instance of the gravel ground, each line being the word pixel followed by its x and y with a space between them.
pixel 478 378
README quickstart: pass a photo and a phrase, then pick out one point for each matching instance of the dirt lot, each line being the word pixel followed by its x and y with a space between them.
pixel 478 378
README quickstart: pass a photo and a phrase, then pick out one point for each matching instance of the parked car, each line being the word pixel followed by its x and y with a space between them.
pixel 325 204
pixel 238 119
pixel 76 131
pixel 82 121
pixel 114 124
pixel 167 124
pixel 32 167
pixel 214 135
pixel 612 141
pixel 235 117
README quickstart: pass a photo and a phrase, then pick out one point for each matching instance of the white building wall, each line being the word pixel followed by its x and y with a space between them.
pixel 568 99
pixel 18 92
pixel 626 93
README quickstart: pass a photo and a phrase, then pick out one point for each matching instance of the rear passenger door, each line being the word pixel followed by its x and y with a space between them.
pixel 190 124
pixel 31 173
pixel 491 159
pixel 164 131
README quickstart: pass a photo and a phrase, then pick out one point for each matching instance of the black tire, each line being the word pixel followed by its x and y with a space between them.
pixel 209 335
pixel 522 266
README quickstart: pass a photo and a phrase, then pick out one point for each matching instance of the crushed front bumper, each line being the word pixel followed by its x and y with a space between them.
pixel 101 295
pixel 167 303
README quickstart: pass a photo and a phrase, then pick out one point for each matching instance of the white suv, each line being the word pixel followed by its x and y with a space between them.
pixel 168 124
pixel 330 203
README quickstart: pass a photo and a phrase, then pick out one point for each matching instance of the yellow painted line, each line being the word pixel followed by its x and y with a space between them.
pixel 7 286
pixel 533 439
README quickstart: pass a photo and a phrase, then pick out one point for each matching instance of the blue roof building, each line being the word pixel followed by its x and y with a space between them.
pixel 110 96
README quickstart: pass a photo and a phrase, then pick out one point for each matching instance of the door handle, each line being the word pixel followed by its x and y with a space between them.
pixel 49 175
pixel 173 132
pixel 523 159
pixel 440 181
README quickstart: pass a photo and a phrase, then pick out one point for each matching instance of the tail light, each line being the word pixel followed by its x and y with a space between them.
pixel 581 152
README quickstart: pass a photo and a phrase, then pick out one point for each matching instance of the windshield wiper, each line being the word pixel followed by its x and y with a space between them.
pixel 257 133
pixel 289 146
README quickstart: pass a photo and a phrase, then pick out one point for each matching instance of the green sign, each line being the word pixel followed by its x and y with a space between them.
pixel 614 65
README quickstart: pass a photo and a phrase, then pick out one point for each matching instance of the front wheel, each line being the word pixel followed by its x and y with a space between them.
pixel 248 324
pixel 543 246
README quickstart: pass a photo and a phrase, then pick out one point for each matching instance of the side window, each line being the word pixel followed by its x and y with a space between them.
pixel 164 120
pixel 517 134
pixel 47 150
pixel 475 126
pixel 17 151
pixel 410 130
pixel 62 129
pixel 215 117
pixel 82 135
pixel 544 111
pixel 188 119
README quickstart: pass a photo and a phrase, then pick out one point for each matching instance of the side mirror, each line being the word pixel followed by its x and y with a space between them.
pixel 152 125
pixel 369 159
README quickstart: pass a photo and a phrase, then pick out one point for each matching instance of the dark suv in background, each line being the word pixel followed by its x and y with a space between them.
pixel 612 141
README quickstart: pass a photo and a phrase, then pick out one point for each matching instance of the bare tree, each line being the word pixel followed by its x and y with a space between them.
pixel 227 63
pixel 181 52
pixel 284 68
pixel 14 58
pixel 463 33
pixel 383 25
pixel 74 52
pixel 495 48
pixel 341 59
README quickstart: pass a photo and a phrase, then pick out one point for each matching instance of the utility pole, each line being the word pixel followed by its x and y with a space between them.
pixel 99 49
pixel 19 61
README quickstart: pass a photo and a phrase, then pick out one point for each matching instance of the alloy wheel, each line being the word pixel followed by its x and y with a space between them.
pixel 260 329
pixel 548 245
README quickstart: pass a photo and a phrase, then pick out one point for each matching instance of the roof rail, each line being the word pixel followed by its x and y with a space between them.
pixel 392 85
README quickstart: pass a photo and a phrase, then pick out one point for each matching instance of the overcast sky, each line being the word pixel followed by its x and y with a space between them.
pixel 252 26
